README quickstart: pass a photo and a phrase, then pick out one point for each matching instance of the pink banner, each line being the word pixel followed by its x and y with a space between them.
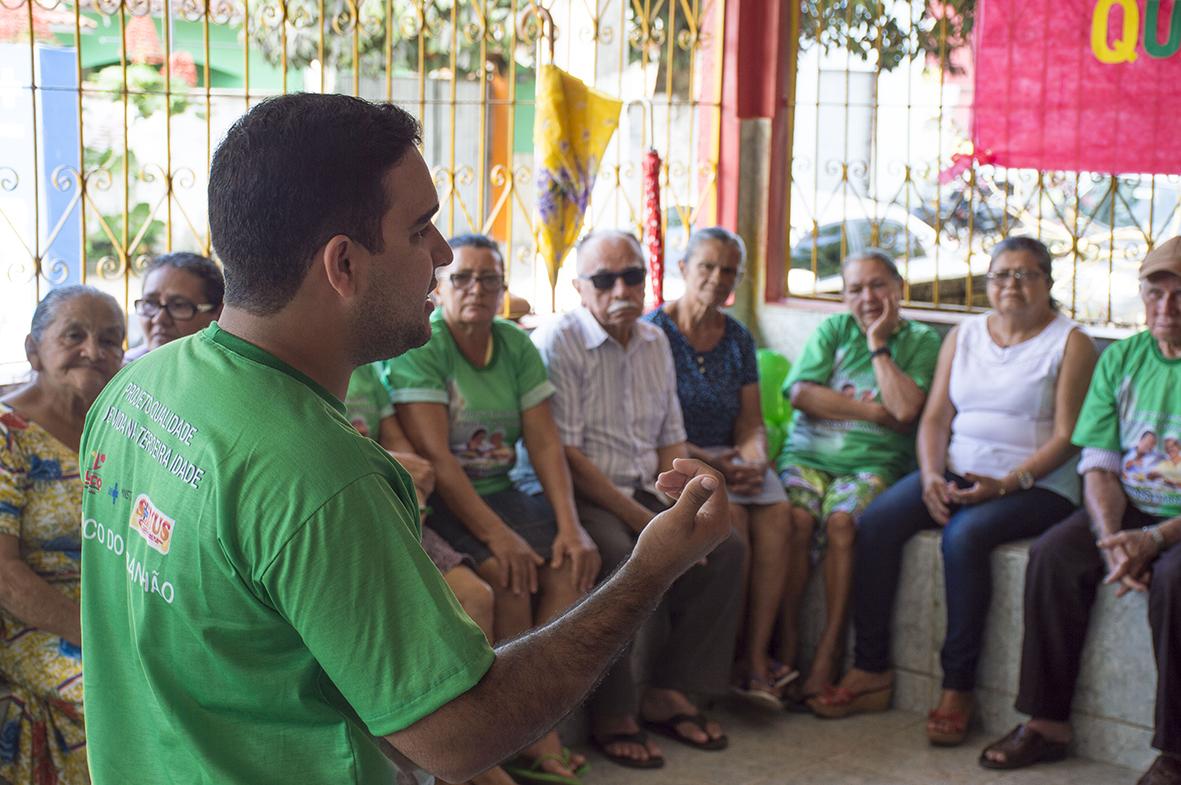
pixel 1090 85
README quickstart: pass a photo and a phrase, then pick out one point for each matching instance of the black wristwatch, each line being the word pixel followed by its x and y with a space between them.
pixel 883 350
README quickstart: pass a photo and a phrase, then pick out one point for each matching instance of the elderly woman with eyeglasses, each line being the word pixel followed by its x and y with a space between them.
pixel 995 465
pixel 182 294
pixel 75 346
pixel 718 387
pixel 464 399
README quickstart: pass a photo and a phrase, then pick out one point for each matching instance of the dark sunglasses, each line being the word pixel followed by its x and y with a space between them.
pixel 632 276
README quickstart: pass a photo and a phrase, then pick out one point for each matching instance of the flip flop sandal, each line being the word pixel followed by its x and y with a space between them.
pixel 526 769
pixel 1165 770
pixel 668 728
pixel 1023 747
pixel 758 692
pixel 782 675
pixel 603 742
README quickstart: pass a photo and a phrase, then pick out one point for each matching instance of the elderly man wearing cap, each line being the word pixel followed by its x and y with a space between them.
pixel 1134 516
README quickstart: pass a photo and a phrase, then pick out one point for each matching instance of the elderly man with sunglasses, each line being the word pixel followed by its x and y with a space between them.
pixel 620 424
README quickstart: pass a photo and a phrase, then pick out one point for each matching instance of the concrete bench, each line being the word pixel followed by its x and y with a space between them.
pixel 1113 705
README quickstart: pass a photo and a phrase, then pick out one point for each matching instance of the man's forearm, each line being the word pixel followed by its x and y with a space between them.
pixel 511 707
pixel 591 484
pixel 1105 501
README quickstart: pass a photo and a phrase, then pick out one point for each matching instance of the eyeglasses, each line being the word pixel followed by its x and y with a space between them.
pixel 632 276
pixel 1016 276
pixel 178 308
pixel 487 283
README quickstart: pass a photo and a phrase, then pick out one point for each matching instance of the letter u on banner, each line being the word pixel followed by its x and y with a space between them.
pixel 1152 43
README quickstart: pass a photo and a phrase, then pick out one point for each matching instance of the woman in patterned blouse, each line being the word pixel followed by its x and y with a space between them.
pixel 75 346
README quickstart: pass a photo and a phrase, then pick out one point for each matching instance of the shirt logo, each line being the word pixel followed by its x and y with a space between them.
pixel 92 482
pixel 152 524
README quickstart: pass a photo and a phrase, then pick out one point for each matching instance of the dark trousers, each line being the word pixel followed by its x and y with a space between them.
pixel 1064 572
pixel 969 537
pixel 701 612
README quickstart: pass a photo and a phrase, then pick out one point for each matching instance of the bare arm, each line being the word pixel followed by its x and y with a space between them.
pixel 901 396
pixel 427 427
pixel 27 596
pixel 549 461
pixel 597 488
pixel 666 455
pixel 1105 500
pixel 819 401
pixel 1078 362
pixel 511 707
pixel 935 425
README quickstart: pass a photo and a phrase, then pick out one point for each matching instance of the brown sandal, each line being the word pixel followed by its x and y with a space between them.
pixel 1023 747
pixel 1165 770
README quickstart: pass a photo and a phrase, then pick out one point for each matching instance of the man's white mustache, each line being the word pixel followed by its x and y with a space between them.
pixel 617 306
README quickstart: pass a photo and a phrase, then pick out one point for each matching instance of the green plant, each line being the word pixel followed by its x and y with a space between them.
pixel 145 88
pixel 866 28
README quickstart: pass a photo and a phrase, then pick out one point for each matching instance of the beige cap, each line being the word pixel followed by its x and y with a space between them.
pixel 1165 258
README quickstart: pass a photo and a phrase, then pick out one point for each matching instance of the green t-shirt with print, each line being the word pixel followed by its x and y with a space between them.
pixel 256 605
pixel 1133 408
pixel 484 405
pixel 837 356
pixel 367 401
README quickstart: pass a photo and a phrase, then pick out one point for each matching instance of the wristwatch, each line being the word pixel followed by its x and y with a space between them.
pixel 1025 479
pixel 1158 538
pixel 883 350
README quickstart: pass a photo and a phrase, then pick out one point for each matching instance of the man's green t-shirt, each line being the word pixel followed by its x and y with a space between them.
pixel 484 405
pixel 1133 407
pixel 367 401
pixel 255 601
pixel 837 356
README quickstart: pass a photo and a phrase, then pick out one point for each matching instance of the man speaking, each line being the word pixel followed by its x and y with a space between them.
pixel 256 607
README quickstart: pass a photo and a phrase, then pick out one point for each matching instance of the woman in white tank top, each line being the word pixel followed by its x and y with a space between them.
pixel 996 465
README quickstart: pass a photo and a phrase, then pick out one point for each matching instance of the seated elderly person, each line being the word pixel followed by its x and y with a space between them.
pixel 75 346
pixel 182 294
pixel 464 399
pixel 620 423
pixel 996 465
pixel 718 388
pixel 857 389
pixel 1137 520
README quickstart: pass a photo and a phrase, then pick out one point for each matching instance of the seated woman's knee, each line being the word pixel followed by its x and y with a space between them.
pixel 802 525
pixel 841 529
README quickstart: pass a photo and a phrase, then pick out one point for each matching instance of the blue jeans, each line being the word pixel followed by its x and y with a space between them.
pixel 968 539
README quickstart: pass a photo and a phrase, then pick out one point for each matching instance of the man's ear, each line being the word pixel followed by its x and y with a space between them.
pixel 32 354
pixel 340 265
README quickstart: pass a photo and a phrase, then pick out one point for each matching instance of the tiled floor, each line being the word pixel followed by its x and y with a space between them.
pixel 881 749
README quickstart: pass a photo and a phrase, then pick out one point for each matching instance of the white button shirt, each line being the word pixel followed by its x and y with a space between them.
pixel 617 404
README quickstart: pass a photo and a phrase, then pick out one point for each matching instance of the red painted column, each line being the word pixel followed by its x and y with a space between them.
pixel 758 51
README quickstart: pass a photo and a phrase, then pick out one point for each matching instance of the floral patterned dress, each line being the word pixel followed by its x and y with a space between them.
pixel 42 737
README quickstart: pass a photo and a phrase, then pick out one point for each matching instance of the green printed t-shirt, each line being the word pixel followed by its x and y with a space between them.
pixel 1133 408
pixel 255 600
pixel 484 405
pixel 367 401
pixel 837 356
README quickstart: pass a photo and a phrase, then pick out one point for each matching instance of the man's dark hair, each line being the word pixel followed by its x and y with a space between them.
pixel 202 267
pixel 292 173
pixel 474 240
